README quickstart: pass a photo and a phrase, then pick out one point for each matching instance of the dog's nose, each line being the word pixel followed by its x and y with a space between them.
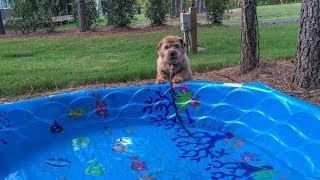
pixel 172 53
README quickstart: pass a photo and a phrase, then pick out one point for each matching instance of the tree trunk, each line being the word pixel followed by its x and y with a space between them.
pixel 183 4
pixel 1 25
pixel 109 15
pixel 193 3
pixel 34 24
pixel 139 10
pixel 173 8
pixel 199 6
pixel 83 16
pixel 307 63
pixel 202 6
pixel 249 36
pixel 178 8
pixel 33 10
pixel 99 6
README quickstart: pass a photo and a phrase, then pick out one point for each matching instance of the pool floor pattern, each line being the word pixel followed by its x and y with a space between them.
pixel 141 152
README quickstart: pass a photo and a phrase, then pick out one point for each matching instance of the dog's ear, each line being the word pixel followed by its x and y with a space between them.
pixel 183 43
pixel 159 45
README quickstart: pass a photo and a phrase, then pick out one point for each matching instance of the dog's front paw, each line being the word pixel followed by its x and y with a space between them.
pixel 177 79
pixel 160 81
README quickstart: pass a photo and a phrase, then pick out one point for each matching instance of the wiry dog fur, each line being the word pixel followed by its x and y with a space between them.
pixel 172 50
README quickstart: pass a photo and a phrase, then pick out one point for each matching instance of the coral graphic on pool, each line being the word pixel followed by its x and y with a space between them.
pixel 4 127
pixel 95 169
pixel 78 113
pixel 184 98
pixel 239 131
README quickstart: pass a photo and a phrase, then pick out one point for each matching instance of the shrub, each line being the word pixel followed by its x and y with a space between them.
pixel 31 14
pixel 44 14
pixel 120 12
pixel 156 11
pixel 215 9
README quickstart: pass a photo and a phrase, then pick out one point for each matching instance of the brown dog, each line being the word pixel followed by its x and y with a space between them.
pixel 172 51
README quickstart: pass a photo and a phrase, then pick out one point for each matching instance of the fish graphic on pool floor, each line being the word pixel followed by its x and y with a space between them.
pixel 101 107
pixel 58 162
pixel 138 165
pixel 56 128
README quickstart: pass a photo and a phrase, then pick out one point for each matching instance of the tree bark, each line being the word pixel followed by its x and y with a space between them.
pixel 193 3
pixel 199 6
pixel 173 8
pixel 183 4
pixel 307 63
pixel 178 8
pixel 139 10
pixel 109 15
pixel 1 25
pixel 83 16
pixel 249 36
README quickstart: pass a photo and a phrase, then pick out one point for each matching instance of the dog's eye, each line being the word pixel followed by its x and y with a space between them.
pixel 176 46
pixel 166 47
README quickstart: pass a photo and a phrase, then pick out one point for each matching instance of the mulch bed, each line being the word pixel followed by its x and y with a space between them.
pixel 103 31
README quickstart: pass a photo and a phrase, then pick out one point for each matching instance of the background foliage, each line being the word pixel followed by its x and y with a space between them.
pixel 32 14
pixel 215 9
pixel 157 10
pixel 121 12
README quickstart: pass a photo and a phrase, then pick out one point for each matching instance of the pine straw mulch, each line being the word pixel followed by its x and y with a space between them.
pixel 99 31
pixel 275 74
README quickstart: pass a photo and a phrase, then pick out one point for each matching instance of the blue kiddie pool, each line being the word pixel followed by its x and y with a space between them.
pixel 238 131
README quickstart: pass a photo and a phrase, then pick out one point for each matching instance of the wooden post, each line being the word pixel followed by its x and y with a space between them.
pixel 193 32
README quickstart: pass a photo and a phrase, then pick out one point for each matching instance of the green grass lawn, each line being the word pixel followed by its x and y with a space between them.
pixel 42 64
pixel 139 17
pixel 271 12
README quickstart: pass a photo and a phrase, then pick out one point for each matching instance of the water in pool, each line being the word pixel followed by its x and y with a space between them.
pixel 154 151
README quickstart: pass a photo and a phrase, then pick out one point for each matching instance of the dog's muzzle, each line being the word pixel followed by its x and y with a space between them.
pixel 173 56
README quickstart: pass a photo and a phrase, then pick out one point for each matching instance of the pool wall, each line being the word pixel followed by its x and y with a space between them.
pixel 286 127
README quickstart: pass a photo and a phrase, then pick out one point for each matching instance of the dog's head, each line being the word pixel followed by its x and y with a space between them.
pixel 171 49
